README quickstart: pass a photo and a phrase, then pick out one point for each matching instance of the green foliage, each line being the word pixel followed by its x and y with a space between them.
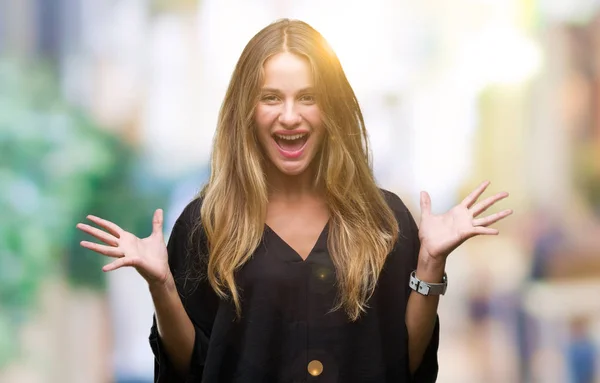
pixel 57 166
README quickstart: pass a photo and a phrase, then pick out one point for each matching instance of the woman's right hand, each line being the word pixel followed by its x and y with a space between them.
pixel 147 255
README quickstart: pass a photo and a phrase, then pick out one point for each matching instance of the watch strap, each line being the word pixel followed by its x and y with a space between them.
pixel 426 288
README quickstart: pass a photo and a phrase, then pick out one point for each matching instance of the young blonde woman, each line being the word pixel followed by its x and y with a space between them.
pixel 292 265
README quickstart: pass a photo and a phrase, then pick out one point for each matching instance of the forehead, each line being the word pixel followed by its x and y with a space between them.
pixel 287 71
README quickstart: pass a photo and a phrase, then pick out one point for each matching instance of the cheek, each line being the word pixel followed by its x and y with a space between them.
pixel 264 117
pixel 263 124
pixel 259 119
pixel 313 117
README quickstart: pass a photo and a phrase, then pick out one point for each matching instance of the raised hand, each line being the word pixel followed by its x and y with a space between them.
pixel 441 234
pixel 148 255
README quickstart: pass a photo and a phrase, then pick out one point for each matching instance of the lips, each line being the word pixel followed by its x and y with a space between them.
pixel 291 145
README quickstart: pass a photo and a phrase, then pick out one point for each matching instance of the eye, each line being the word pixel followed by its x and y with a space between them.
pixel 269 98
pixel 308 99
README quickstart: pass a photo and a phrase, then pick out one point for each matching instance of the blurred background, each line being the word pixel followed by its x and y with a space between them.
pixel 108 107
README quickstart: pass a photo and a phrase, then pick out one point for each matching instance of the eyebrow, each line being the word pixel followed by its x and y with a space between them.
pixel 274 90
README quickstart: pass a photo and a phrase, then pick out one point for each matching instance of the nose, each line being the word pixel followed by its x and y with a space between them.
pixel 289 116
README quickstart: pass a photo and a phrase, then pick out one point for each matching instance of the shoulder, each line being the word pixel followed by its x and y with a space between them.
pixel 402 260
pixel 408 231
pixel 188 256
pixel 187 241
pixel 393 201
pixel 403 215
pixel 190 216
pixel 187 229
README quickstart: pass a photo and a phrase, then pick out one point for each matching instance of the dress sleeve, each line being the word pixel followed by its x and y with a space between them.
pixel 428 370
pixel 186 252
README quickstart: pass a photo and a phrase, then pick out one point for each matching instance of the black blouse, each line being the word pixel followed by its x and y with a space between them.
pixel 287 332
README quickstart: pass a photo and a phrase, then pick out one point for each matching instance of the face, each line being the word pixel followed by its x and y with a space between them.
pixel 287 116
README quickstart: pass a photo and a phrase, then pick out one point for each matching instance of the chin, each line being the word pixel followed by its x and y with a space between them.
pixel 292 169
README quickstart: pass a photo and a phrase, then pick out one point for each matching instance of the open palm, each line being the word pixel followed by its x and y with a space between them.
pixel 440 234
pixel 148 255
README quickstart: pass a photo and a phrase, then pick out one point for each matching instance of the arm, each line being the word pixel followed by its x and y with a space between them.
pixel 175 329
pixel 179 339
pixel 421 313
pixel 185 306
pixel 422 321
pixel 437 237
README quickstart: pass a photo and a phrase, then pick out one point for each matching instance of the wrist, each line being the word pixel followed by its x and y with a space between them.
pixel 430 269
pixel 161 287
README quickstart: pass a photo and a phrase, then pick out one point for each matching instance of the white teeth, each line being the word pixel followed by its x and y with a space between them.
pixel 290 138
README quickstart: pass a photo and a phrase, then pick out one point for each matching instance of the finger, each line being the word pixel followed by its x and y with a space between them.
pixel 121 262
pixel 116 264
pixel 491 219
pixel 474 195
pixel 157 222
pixel 480 230
pixel 111 227
pixel 109 251
pixel 425 203
pixel 486 203
pixel 99 234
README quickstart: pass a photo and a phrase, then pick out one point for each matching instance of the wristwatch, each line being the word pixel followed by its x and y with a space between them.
pixel 425 288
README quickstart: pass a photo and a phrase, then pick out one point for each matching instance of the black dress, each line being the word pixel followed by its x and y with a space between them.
pixel 286 328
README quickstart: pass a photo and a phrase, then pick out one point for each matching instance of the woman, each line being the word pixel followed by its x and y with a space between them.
pixel 292 265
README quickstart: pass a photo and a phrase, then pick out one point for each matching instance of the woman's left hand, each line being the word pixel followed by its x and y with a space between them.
pixel 441 234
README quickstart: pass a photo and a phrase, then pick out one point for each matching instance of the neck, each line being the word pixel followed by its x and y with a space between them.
pixel 286 187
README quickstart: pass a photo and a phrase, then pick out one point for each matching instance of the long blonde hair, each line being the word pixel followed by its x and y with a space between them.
pixel 362 228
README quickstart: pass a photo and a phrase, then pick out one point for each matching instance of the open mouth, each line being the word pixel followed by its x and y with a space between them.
pixel 291 143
